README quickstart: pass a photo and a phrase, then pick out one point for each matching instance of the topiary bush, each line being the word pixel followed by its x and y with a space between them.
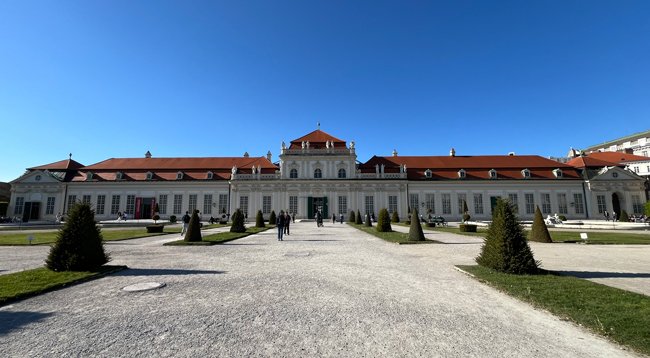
pixel 155 218
pixel 193 232
pixel 467 227
pixel 383 221
pixel 259 219
pixel 647 208
pixel 466 217
pixel 273 219
pixel 505 248
pixel 358 219
pixel 156 228
pixel 415 231
pixel 172 219
pixel 368 220
pixel 395 217
pixel 539 231
pixel 562 217
pixel 352 218
pixel 624 217
pixel 78 245
pixel 237 222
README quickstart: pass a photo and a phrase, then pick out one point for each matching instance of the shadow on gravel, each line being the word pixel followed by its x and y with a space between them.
pixel 311 240
pixel 238 244
pixel 596 274
pixel 160 272
pixel 10 320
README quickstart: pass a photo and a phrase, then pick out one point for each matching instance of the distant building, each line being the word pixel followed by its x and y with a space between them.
pixel 320 173
pixel 638 144
pixel 5 195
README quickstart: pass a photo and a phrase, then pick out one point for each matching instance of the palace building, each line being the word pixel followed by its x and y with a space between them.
pixel 319 172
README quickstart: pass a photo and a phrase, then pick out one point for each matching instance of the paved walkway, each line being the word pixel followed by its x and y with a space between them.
pixel 332 291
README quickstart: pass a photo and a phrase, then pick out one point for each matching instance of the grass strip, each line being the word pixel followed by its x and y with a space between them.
pixel 49 237
pixel 219 238
pixel 19 285
pixel 619 315
pixel 392 236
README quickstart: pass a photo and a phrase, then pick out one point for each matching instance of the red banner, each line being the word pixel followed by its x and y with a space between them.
pixel 138 204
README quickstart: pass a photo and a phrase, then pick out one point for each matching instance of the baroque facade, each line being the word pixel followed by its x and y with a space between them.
pixel 318 172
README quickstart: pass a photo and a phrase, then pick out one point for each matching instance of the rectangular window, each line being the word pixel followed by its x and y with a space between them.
pixel 49 208
pixel 293 204
pixel 192 204
pixel 530 203
pixel 343 205
pixel 178 204
pixel 85 199
pixel 101 202
pixel 478 203
pixel 162 204
pixel 414 202
pixel 602 206
pixel 266 204
pixel 130 205
pixel 429 200
pixel 370 204
pixel 446 204
pixel 243 205
pixel 392 203
pixel 462 201
pixel 115 204
pixel 579 203
pixel 637 205
pixel 546 203
pixel 223 203
pixel 72 199
pixel 207 204
pixel 20 205
pixel 514 200
pixel 561 204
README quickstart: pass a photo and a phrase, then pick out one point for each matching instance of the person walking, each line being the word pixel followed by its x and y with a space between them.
pixel 186 222
pixel 341 218
pixel 606 215
pixel 293 218
pixel 281 222
pixel 334 218
pixel 613 216
pixel 287 222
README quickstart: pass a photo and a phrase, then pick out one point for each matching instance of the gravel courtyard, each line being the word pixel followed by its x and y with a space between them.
pixel 331 291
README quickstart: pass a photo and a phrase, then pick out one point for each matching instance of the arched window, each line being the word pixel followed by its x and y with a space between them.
pixel 461 174
pixel 428 173
pixel 558 173
pixel 210 175
pixel 149 175
pixel 119 176
pixel 493 174
pixel 341 173
pixel 525 173
pixel 318 174
pixel 293 173
pixel 179 175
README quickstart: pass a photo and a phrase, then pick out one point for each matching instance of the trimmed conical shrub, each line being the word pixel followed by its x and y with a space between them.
pixel 194 228
pixel 78 245
pixel 352 218
pixel 623 217
pixel 395 217
pixel 358 219
pixel 237 222
pixel 415 231
pixel 368 219
pixel 383 221
pixel 505 248
pixel 273 219
pixel 539 231
pixel 259 219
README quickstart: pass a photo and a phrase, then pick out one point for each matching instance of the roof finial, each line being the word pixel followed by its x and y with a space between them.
pixel 318 124
pixel 69 156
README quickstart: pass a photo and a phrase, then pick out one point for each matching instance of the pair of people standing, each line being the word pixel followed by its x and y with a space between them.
pixel 283 222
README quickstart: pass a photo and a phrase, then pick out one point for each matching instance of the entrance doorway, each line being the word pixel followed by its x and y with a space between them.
pixel 315 204
pixel 144 208
pixel 616 205
pixel 31 211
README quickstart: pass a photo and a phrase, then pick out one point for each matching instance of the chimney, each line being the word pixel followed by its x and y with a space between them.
pixel 511 154
pixel 268 155
pixel 452 152
pixel 147 154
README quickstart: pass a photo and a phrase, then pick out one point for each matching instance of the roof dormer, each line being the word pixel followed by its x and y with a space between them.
pixel 179 176
pixel 493 173
pixel 525 173
pixel 89 176
pixel 558 173
pixel 428 173
pixel 149 175
pixel 462 174
pixel 210 175
pixel 119 176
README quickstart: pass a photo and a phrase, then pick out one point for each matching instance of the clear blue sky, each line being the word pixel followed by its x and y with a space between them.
pixel 105 79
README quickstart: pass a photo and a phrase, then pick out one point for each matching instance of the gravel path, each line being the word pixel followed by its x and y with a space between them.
pixel 332 291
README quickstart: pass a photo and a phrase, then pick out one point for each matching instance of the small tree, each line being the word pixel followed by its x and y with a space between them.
pixel 259 219
pixel 368 221
pixel 383 221
pixel 395 217
pixel 237 222
pixel 352 218
pixel 539 231
pixel 156 209
pixel 273 219
pixel 415 231
pixel 155 218
pixel 647 208
pixel 624 217
pixel 78 245
pixel 505 248
pixel 194 228
pixel 466 216
pixel 358 219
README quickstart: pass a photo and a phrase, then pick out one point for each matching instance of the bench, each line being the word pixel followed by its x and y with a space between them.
pixel 437 220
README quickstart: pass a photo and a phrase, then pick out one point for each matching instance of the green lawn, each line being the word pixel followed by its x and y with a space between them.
pixel 393 236
pixel 220 237
pixel 23 284
pixel 619 315
pixel 49 237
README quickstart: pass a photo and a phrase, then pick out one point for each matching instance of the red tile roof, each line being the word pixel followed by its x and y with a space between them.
pixel 316 140
pixel 604 159
pixel 184 164
pixel 62 165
